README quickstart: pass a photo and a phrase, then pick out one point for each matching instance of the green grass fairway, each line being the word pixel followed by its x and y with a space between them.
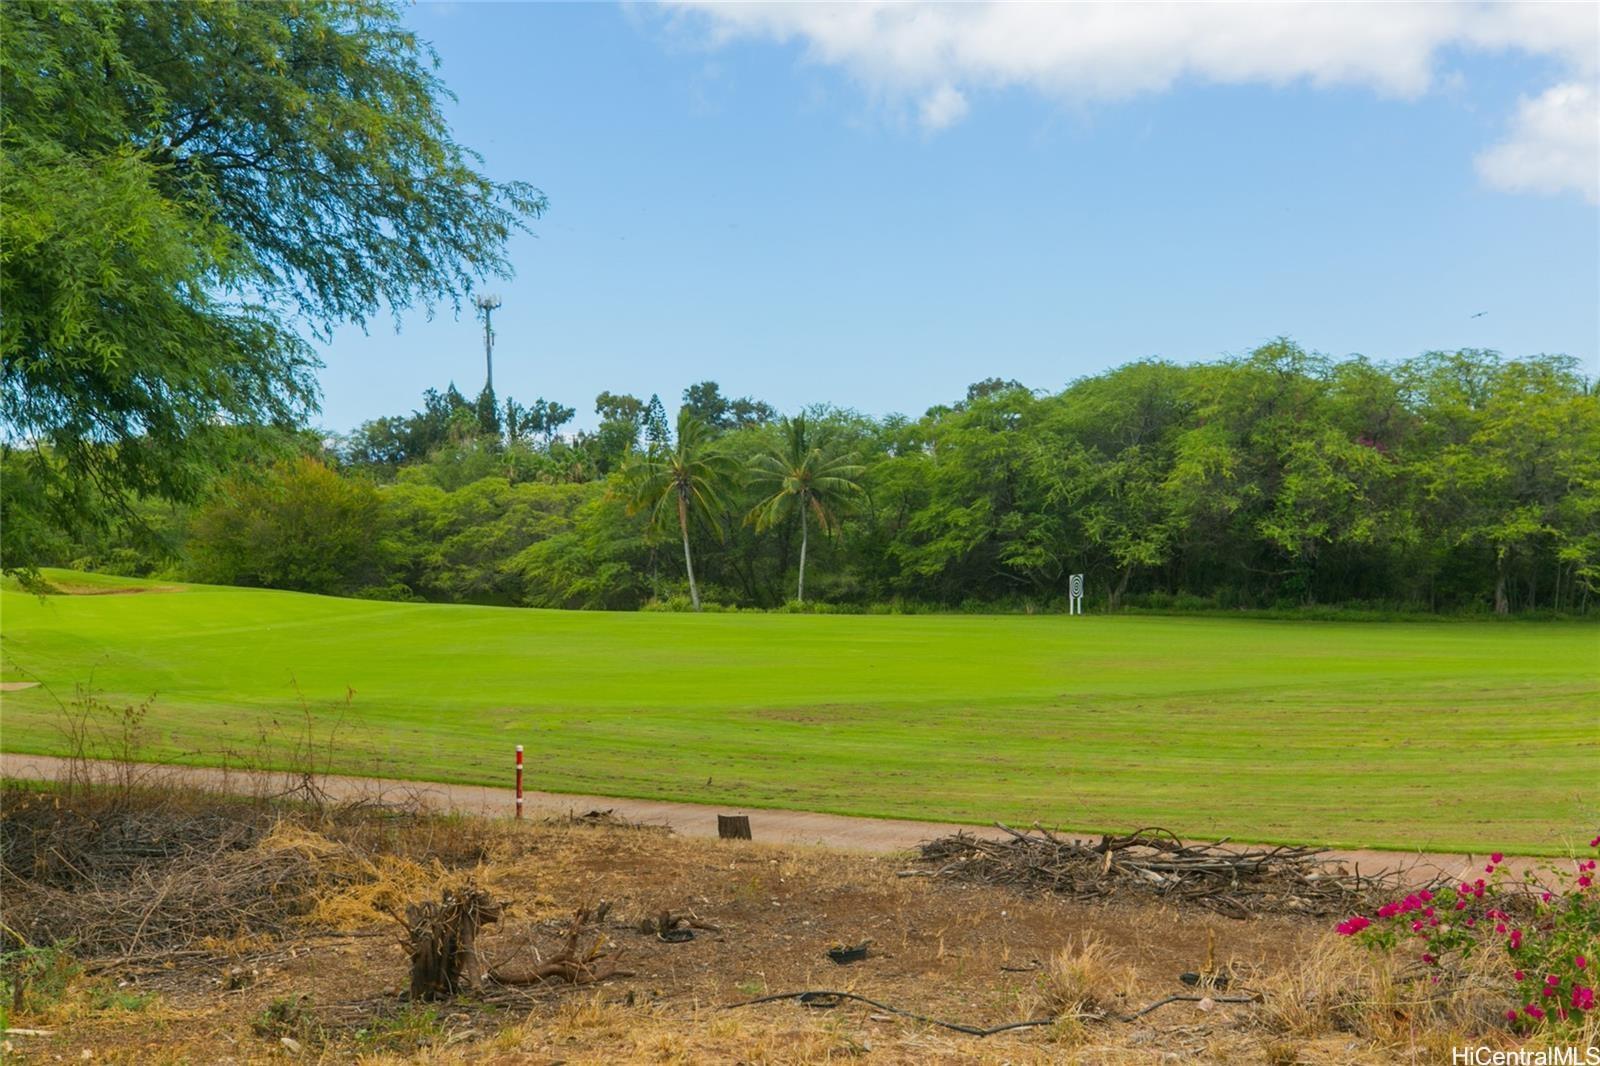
pixel 1403 735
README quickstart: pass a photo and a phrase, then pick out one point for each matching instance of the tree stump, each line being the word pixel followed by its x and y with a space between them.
pixel 442 941
pixel 733 826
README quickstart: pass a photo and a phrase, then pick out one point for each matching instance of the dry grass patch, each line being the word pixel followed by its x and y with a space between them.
pixel 326 969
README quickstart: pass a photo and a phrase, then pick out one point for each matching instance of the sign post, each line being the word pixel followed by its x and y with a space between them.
pixel 519 781
pixel 1075 603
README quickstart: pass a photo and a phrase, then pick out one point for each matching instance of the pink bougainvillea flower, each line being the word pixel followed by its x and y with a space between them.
pixel 1582 998
pixel 1352 925
pixel 1516 939
pixel 1499 927
pixel 1425 896
pixel 1533 1012
pixel 1545 896
pixel 1585 881
pixel 1428 958
pixel 1511 1015
pixel 1472 923
pixel 1497 858
pixel 1579 961
pixel 1519 975
pixel 1595 843
pixel 1552 979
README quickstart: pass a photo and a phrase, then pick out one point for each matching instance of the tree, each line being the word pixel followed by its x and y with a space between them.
pixel 980 390
pixel 981 528
pixel 621 419
pixel 657 437
pixel 546 417
pixel 1523 481
pixel 185 184
pixel 683 483
pixel 706 402
pixel 300 527
pixel 1103 460
pixel 487 408
pixel 801 475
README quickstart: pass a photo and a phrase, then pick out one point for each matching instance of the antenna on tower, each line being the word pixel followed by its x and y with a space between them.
pixel 487 303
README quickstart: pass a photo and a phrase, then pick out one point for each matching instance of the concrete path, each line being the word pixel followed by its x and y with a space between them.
pixel 690 819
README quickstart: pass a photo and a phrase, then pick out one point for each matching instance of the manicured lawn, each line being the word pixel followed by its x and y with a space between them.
pixel 1407 735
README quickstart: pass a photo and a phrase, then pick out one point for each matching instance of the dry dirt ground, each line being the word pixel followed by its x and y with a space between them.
pixel 329 985
pixel 971 955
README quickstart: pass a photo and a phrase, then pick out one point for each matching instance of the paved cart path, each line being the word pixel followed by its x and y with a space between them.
pixel 689 819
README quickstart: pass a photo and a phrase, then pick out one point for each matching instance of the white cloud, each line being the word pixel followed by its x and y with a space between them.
pixel 936 55
pixel 1554 145
pixel 943 107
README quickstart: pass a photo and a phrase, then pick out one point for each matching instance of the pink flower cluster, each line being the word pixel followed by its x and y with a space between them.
pixel 1582 1000
pixel 1561 997
pixel 1353 925
pixel 1415 902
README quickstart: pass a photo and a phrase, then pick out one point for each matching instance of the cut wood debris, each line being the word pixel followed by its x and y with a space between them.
pixel 1232 880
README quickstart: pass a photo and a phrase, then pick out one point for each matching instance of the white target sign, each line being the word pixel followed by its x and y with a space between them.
pixel 1075 604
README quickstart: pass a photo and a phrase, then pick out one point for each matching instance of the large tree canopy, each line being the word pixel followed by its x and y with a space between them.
pixel 187 188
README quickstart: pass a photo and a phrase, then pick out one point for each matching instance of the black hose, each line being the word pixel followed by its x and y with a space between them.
pixel 824 999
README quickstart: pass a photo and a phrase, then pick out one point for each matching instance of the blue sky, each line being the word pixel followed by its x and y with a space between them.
pixel 777 206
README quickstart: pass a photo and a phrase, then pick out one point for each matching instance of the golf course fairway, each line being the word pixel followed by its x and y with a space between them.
pixel 1427 735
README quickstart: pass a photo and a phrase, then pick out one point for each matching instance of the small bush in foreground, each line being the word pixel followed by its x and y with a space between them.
pixel 1540 943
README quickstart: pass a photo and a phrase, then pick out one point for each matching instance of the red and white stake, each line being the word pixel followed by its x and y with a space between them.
pixel 519 780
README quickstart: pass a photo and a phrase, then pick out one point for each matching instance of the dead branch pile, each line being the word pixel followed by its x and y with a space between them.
pixel 170 904
pixel 157 870
pixel 46 840
pixel 1237 881
pixel 574 962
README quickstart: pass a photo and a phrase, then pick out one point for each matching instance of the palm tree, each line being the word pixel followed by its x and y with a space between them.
pixel 682 480
pixel 803 475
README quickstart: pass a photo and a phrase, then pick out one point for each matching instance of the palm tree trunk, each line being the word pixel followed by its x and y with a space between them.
pixel 688 563
pixel 800 594
pixel 1501 604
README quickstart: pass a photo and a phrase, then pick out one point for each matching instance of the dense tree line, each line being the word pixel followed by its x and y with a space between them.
pixel 1452 481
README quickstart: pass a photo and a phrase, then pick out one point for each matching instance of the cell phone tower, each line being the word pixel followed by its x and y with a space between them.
pixel 487 303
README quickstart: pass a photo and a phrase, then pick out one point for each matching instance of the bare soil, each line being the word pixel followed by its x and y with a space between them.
pixel 971 955
pixel 328 984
